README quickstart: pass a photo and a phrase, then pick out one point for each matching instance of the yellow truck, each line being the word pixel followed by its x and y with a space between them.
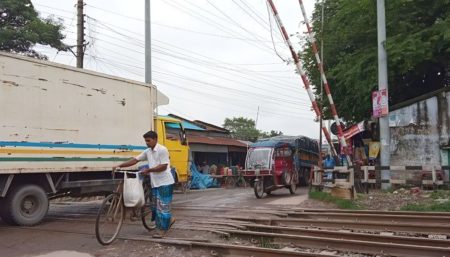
pixel 63 128
pixel 172 135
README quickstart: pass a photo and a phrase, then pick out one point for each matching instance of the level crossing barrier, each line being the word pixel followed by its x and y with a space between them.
pixel 362 177
pixel 426 176
pixel 340 180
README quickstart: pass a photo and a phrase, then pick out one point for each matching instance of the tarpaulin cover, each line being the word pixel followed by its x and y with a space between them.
pixel 275 142
pixel 201 181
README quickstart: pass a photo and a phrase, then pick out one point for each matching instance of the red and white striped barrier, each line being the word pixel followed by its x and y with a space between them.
pixel 325 83
pixel 302 74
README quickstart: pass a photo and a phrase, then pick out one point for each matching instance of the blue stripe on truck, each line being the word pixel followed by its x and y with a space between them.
pixel 69 145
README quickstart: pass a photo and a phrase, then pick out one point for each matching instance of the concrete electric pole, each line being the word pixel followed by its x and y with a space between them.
pixel 80 34
pixel 148 50
pixel 385 137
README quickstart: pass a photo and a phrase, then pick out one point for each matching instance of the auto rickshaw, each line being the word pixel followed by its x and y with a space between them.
pixel 280 162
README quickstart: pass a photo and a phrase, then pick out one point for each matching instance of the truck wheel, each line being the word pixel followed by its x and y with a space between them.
pixel 25 205
pixel 2 207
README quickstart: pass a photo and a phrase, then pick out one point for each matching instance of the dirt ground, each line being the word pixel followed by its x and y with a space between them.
pixel 395 200
pixel 69 228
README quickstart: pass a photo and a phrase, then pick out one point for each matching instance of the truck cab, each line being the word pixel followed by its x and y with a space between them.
pixel 172 135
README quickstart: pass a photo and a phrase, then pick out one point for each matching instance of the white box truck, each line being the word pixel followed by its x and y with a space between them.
pixel 61 131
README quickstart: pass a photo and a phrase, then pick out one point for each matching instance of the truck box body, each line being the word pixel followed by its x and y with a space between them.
pixel 56 118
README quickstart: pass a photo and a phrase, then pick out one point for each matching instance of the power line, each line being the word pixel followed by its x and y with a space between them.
pixel 202 93
pixel 217 99
pixel 185 66
pixel 271 34
pixel 236 91
pixel 180 29
pixel 232 90
pixel 215 24
pixel 233 21
pixel 105 25
pixel 190 59
pixel 121 68
pixel 239 69
pixel 165 53
pixel 252 14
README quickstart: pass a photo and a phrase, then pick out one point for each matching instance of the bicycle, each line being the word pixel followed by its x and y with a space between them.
pixel 238 180
pixel 112 212
pixel 186 186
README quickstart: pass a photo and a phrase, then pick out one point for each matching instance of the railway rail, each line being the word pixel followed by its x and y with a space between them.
pixel 282 231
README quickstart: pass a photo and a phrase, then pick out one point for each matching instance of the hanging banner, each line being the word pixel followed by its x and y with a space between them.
pixel 374 149
pixel 380 103
pixel 353 130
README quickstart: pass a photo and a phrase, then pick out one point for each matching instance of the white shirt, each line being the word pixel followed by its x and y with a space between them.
pixel 156 156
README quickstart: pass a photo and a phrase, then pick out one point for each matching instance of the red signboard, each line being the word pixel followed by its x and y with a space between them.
pixel 380 103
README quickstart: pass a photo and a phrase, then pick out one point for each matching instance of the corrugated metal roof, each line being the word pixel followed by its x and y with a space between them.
pixel 215 141
pixel 186 125
pixel 211 127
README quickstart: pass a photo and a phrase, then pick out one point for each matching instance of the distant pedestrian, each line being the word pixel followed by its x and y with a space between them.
pixel 205 168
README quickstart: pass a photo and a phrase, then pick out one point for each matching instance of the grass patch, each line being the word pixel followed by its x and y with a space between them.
pixel 266 243
pixel 440 194
pixel 440 207
pixel 341 203
pixel 431 205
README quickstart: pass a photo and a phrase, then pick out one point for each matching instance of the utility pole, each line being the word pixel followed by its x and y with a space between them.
pixel 257 115
pixel 148 37
pixel 80 34
pixel 385 136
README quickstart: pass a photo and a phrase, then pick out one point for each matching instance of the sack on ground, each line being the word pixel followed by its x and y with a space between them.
pixel 133 192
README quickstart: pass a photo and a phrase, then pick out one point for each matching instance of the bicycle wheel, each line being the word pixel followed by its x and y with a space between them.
pixel 109 219
pixel 186 186
pixel 146 211
pixel 230 182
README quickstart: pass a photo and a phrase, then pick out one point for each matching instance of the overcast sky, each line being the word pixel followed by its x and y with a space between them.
pixel 213 59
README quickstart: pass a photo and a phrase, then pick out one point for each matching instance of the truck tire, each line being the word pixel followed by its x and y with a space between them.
pixel 2 207
pixel 25 205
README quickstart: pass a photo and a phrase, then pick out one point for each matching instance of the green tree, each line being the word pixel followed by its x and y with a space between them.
pixel 242 128
pixel 418 48
pixel 21 29
pixel 272 133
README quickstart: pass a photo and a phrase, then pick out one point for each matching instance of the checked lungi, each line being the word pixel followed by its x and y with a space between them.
pixel 161 203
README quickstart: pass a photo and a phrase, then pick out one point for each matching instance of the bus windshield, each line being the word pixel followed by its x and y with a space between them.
pixel 258 158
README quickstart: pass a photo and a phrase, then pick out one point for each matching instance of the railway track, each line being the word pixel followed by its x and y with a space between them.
pixel 285 231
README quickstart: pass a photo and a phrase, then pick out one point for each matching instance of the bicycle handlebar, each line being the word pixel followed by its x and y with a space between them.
pixel 118 170
pixel 127 171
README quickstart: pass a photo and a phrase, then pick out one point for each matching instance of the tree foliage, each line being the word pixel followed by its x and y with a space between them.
pixel 21 29
pixel 272 133
pixel 417 43
pixel 244 129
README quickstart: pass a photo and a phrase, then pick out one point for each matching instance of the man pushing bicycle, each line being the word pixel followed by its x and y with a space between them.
pixel 161 178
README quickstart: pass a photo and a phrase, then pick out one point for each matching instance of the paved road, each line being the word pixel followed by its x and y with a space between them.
pixel 240 197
